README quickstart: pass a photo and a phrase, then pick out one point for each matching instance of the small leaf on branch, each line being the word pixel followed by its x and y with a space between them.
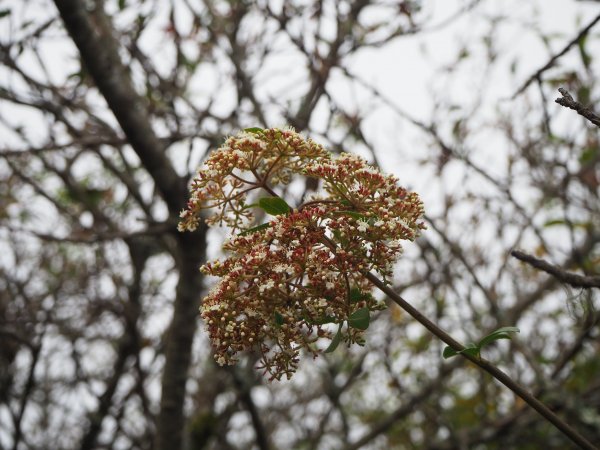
pixel 356 295
pixel 261 227
pixel 254 130
pixel 500 333
pixel 475 349
pixel 278 319
pixel 449 352
pixel 471 349
pixel 274 206
pixel 335 341
pixel 359 319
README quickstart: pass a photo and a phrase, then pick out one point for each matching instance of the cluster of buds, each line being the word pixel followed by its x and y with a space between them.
pixel 299 277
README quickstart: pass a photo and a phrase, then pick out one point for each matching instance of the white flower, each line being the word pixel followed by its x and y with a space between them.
pixel 215 307
pixel 362 226
pixel 379 223
pixel 400 221
pixel 268 285
pixel 329 285
pixel 281 268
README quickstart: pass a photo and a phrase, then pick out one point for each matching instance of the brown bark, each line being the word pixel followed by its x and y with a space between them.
pixel 91 34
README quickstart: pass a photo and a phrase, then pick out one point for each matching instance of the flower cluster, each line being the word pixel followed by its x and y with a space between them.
pixel 244 163
pixel 287 281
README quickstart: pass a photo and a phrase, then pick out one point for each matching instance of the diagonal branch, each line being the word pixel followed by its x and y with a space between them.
pixel 88 27
pixel 552 61
pixel 100 54
pixel 498 374
pixel 560 274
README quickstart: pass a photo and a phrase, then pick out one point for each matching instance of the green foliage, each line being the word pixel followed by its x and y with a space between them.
pixel 474 350
pixel 274 206
pixel 359 319
pixel 254 130
pixel 335 341
pixel 260 227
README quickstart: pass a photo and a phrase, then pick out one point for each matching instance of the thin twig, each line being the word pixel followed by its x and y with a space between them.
pixel 579 281
pixel 553 60
pixel 568 102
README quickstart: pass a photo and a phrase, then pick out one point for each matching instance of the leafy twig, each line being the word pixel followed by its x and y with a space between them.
pixel 499 375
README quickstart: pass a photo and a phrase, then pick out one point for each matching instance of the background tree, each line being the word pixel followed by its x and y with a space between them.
pixel 109 107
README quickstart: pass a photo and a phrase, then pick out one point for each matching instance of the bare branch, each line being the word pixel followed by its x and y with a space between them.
pixel 99 52
pixel 537 75
pixel 568 102
pixel 560 274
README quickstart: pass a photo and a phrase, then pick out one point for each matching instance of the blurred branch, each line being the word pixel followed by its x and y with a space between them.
pixel 552 61
pixel 100 53
pixel 568 102
pixel 493 431
pixel 244 388
pixel 408 407
pixel 28 389
pixel 92 33
pixel 557 272
pixel 494 371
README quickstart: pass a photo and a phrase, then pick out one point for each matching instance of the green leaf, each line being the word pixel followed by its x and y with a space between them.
pixel 278 319
pixel 335 341
pixel 356 295
pixel 475 349
pixel 261 227
pixel 254 130
pixel 4 12
pixel 251 205
pixel 359 319
pixel 500 333
pixel 274 206
pixel 471 349
pixel 449 352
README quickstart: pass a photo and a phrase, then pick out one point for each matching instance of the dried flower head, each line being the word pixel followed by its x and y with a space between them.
pixel 286 282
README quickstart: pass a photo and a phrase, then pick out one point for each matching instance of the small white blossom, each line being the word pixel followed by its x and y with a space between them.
pixel 283 268
pixel 268 285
